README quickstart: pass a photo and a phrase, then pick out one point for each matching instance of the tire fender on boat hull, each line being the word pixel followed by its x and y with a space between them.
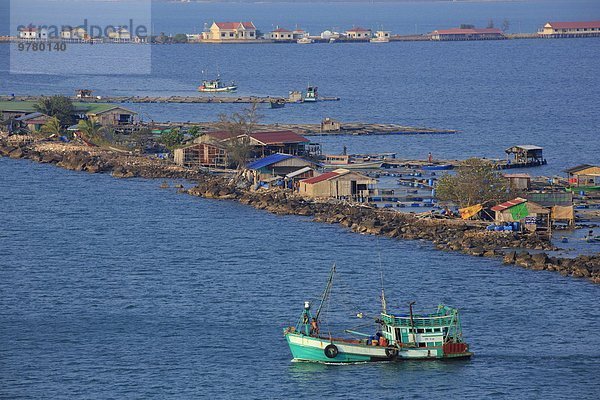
pixel 331 351
pixel 391 352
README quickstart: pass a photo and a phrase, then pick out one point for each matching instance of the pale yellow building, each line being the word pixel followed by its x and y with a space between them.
pixel 570 29
pixel 234 31
pixel 338 184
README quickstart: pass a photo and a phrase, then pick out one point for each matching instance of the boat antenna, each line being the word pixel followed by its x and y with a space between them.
pixel 383 302
pixel 326 292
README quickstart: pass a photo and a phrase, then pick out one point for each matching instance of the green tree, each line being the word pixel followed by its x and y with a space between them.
pixel 171 138
pixel 60 107
pixel 180 38
pixel 195 132
pixel 93 132
pixel 239 126
pixel 476 182
pixel 52 127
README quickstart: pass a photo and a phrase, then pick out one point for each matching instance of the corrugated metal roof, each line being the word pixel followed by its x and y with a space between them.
pixel 269 160
pixel 27 117
pixel 278 137
pixel 526 147
pixel 578 168
pixel 509 204
pixel 298 172
pixel 574 25
pixel 320 178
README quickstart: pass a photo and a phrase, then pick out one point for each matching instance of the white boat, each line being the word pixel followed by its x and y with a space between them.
pixel 215 85
pixel 379 40
pixel 305 40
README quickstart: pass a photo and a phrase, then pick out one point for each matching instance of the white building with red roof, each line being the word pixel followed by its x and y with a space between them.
pixel 281 34
pixel 571 29
pixel 230 31
pixel 359 33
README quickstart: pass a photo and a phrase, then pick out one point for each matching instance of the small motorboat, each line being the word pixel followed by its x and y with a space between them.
pixel 277 103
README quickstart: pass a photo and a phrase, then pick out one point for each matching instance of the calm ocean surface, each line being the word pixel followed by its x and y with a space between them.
pixel 117 289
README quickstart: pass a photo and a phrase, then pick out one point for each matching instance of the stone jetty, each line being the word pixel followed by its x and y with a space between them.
pixel 527 251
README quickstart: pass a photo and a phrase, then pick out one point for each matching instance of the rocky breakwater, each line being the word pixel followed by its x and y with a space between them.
pixel 450 235
pixel 77 157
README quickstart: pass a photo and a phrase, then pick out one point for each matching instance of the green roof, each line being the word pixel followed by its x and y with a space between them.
pixel 27 106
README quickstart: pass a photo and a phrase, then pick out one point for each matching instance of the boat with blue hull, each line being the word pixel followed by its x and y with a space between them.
pixel 435 336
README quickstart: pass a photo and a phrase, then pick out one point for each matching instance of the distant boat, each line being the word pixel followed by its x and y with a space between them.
pixel 379 40
pixel 215 85
pixel 312 94
pixel 277 103
pixel 438 167
pixel 305 40
pixel 355 165
pixel 437 335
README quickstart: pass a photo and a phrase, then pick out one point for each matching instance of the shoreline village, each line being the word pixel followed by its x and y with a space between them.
pixel 468 205
pixel 245 32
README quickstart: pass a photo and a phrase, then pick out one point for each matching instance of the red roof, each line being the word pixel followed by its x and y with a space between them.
pixel 278 137
pixel 509 204
pixel 575 25
pixel 459 31
pixel 358 29
pixel 29 29
pixel 282 30
pixel 320 178
pixel 235 25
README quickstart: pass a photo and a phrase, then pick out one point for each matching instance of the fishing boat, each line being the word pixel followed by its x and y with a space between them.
pixel 215 85
pixel 355 165
pixel 435 336
pixel 312 94
pixel 277 103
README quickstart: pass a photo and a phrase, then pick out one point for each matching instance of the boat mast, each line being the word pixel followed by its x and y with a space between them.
pixel 326 292
pixel 383 302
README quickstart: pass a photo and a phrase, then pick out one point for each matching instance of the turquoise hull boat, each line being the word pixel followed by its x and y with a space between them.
pixel 434 336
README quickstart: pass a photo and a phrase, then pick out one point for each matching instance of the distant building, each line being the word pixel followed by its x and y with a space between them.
pixel 530 215
pixel 526 154
pixel 120 35
pixel 339 184
pixel 330 125
pixel 279 164
pixel 518 181
pixel 299 34
pixel 114 116
pixel 358 33
pixel 34 121
pixel 224 31
pixel 468 34
pixel 584 176
pixel 202 154
pixel 262 143
pixel 570 29
pixel 281 34
pixel 29 33
pixel 73 34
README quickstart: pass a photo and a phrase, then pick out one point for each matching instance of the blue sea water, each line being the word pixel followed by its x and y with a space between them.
pixel 117 289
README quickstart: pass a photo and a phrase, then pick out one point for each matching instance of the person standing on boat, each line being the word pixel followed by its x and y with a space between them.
pixel 314 327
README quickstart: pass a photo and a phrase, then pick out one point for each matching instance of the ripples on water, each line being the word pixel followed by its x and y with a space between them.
pixel 115 288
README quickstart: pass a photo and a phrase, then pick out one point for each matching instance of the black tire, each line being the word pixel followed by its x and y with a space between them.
pixel 391 352
pixel 331 351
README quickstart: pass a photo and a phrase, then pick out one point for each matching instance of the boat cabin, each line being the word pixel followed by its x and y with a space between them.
pixel 527 154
